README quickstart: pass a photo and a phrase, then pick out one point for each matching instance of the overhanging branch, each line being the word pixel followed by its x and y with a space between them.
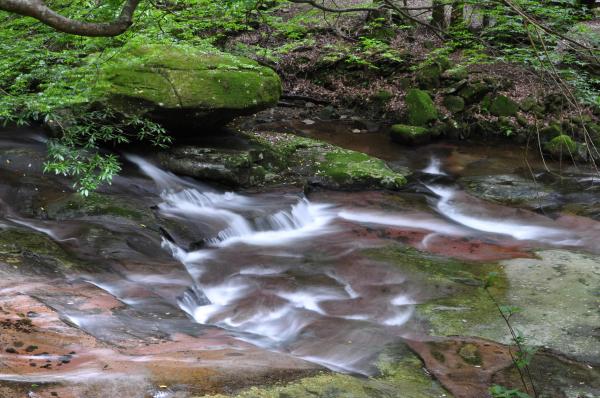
pixel 39 10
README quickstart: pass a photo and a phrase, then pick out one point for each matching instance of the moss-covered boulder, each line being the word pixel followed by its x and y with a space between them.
pixel 420 108
pixel 454 103
pixel 183 86
pixel 561 146
pixel 411 135
pixel 503 106
pixel 474 92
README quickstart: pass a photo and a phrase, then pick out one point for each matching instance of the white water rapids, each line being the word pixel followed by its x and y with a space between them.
pixel 256 274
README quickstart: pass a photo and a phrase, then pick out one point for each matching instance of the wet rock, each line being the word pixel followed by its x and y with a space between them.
pixel 553 375
pixel 226 166
pixel 276 158
pixel 410 135
pixel 420 108
pixel 99 205
pixel 470 354
pixel 512 189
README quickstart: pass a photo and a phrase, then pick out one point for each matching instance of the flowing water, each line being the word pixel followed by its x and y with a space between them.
pixel 275 270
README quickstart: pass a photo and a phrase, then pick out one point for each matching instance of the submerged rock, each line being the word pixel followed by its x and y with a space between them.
pixel 512 189
pixel 182 86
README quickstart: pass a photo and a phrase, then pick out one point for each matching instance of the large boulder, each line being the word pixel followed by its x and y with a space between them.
pixel 183 87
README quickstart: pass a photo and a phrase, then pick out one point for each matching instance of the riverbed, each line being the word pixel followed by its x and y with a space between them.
pixel 165 286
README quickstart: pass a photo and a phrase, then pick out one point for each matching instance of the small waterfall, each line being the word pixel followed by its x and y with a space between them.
pixel 434 167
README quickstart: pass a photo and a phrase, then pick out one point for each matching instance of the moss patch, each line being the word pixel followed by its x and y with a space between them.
pixel 405 134
pixel 172 77
pixel 420 108
pixel 503 106
pixel 97 204
pixel 401 373
pixel 33 250
pixel 562 145
pixel 455 302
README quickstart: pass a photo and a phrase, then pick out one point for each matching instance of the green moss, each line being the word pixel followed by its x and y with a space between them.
pixel 503 106
pixel 456 73
pixel 345 166
pixel 401 373
pixel 405 134
pixel 420 108
pixel 19 247
pixel 470 354
pixel 96 204
pixel 458 305
pixel 474 92
pixel 182 77
pixel 454 103
pixel 562 145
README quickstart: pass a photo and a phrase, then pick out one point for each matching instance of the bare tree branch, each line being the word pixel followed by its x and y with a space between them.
pixel 39 10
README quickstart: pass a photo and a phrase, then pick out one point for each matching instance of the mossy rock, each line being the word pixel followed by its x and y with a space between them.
pixel 355 169
pixel 454 103
pixel 420 107
pixel 411 135
pixel 269 158
pixel 474 92
pixel 429 76
pixel 561 146
pixel 75 206
pixel 456 74
pixel 175 84
pixel 528 103
pixel 33 252
pixel 551 131
pixel 503 106
pixel 402 374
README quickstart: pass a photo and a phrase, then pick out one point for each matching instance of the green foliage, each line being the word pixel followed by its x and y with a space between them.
pixel 502 392
pixel 44 72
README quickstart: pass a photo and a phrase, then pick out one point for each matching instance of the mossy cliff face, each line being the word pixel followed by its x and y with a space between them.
pixel 168 81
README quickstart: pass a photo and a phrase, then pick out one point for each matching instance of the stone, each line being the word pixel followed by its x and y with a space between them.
pixel 457 73
pixel 528 103
pixel 180 86
pixel 561 146
pixel 513 190
pixel 420 107
pixel 503 106
pixel 551 131
pixel 429 76
pixel 454 103
pixel 259 159
pixel 474 92
pixel 411 135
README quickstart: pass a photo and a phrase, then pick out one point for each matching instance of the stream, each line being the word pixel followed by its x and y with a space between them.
pixel 203 282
